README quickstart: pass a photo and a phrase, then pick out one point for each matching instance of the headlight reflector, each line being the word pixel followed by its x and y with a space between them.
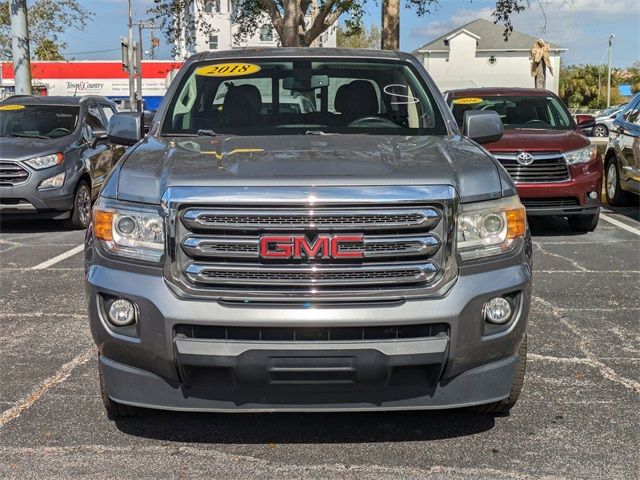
pixel 130 232
pixel 490 228
pixel 52 182
pixel 45 161
pixel 581 155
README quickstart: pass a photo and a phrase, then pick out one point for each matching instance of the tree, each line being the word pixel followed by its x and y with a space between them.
pixel 365 38
pixel 586 86
pixel 297 22
pixel 47 20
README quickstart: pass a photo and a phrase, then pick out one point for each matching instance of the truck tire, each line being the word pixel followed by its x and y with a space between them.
pixel 81 213
pixel 584 223
pixel 615 195
pixel 115 409
pixel 503 406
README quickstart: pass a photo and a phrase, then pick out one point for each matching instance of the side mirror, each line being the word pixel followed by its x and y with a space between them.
pixel 97 134
pixel 126 128
pixel 585 122
pixel 482 126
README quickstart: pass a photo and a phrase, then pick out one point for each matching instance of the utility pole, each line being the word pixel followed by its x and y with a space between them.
pixel 611 37
pixel 131 62
pixel 20 47
pixel 391 25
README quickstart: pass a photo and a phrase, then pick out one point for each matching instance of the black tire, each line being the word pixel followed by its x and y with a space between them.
pixel 503 406
pixel 81 213
pixel 600 131
pixel 615 195
pixel 115 409
pixel 584 223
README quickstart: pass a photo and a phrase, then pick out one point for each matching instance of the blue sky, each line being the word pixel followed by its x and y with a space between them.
pixel 582 26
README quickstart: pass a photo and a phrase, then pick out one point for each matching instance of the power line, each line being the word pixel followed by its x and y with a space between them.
pixel 94 51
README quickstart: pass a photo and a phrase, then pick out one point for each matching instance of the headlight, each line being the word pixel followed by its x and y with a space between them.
pixel 52 182
pixel 490 228
pixel 45 161
pixel 581 155
pixel 130 232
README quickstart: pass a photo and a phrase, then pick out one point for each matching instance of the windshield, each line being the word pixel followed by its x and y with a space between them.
pixel 517 112
pixel 302 97
pixel 38 121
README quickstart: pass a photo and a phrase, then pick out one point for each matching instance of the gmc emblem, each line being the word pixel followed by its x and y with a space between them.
pixel 298 246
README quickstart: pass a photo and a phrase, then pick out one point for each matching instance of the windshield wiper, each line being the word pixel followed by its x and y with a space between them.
pixel 206 133
pixel 26 135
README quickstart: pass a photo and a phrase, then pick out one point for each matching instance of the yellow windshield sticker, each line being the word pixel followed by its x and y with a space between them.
pixel 228 70
pixel 467 101
pixel 11 107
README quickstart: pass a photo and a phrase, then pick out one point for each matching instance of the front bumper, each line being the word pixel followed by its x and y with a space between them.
pixel 565 198
pixel 26 200
pixel 152 367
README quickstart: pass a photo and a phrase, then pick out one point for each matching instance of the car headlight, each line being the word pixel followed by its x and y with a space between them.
pixel 490 228
pixel 130 232
pixel 45 161
pixel 52 182
pixel 581 155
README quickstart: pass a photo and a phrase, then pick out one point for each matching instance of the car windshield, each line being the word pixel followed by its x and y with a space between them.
pixel 38 121
pixel 517 112
pixel 279 97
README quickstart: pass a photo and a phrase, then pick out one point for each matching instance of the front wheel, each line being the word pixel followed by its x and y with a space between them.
pixel 600 131
pixel 584 223
pixel 615 195
pixel 503 406
pixel 81 213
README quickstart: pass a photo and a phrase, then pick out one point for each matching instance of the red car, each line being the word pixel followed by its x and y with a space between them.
pixel 556 169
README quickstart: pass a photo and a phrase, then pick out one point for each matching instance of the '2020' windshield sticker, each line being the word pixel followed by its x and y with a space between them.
pixel 227 70
pixel 467 101
pixel 11 107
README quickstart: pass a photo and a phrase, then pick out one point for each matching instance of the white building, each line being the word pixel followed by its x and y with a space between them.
pixel 220 14
pixel 477 55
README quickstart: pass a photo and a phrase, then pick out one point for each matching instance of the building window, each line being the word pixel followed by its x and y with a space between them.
pixel 492 60
pixel 213 42
pixel 266 33
pixel 212 6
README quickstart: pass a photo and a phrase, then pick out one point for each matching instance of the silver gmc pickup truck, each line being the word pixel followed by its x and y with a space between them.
pixel 355 251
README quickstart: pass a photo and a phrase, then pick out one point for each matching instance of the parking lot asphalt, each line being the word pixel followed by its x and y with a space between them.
pixel 578 416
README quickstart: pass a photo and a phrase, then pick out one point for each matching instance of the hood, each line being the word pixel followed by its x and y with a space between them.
pixel 307 160
pixel 25 148
pixel 515 140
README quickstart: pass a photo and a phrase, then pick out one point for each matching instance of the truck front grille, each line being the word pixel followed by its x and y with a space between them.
pixel 12 174
pixel 546 167
pixel 403 245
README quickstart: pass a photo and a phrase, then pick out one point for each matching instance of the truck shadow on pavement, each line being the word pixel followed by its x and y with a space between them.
pixel 10 225
pixel 303 428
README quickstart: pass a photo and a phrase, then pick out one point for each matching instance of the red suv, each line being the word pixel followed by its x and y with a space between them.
pixel 555 167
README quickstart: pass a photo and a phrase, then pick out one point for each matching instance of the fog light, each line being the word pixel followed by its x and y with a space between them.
pixel 122 312
pixel 52 182
pixel 593 195
pixel 497 310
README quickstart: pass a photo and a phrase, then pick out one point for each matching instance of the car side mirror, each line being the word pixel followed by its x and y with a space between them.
pixel 482 126
pixel 97 134
pixel 585 121
pixel 126 128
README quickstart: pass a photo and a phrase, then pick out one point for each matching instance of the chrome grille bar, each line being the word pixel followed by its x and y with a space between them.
pixel 307 219
pixel 248 246
pixel 310 275
pixel 546 167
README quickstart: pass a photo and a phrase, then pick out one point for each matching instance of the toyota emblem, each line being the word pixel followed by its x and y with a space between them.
pixel 525 158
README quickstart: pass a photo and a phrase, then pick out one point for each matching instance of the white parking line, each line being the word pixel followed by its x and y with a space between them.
pixel 59 258
pixel 618 223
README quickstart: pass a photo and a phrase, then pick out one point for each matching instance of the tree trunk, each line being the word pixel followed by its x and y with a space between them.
pixel 291 38
pixel 391 25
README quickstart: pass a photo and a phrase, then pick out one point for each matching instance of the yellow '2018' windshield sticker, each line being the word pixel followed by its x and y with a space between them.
pixel 227 70
pixel 467 101
pixel 11 107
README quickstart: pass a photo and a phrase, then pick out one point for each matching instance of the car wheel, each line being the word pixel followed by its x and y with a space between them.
pixel 584 223
pixel 615 195
pixel 81 213
pixel 508 403
pixel 115 409
pixel 600 131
